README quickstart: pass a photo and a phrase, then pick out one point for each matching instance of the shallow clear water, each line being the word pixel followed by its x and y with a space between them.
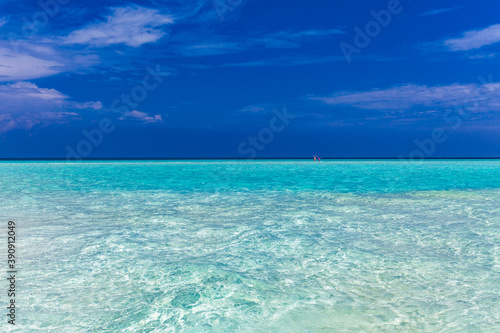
pixel 262 246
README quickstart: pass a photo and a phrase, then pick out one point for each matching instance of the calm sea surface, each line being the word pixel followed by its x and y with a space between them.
pixel 253 246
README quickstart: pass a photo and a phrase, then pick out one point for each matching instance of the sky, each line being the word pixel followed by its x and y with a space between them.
pixel 249 79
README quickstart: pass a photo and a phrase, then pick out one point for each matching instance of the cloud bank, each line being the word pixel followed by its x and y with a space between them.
pixel 25 105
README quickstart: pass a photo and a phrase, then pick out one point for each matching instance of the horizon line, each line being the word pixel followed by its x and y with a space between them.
pixel 236 158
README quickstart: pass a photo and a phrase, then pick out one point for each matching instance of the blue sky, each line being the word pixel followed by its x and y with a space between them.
pixel 249 78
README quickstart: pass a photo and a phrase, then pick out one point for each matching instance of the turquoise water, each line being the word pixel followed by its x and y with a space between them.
pixel 262 246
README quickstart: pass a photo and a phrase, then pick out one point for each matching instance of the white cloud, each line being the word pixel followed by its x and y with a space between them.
pixel 294 39
pixel 483 56
pixel 285 39
pixel 143 116
pixel 23 66
pixel 408 96
pixel 89 105
pixel 3 21
pixel 30 91
pixel 439 11
pixel 25 105
pixel 132 26
pixel 28 61
pixel 252 109
pixel 211 48
pixel 475 39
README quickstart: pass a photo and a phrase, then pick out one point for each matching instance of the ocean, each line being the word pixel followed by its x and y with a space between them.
pixel 253 246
